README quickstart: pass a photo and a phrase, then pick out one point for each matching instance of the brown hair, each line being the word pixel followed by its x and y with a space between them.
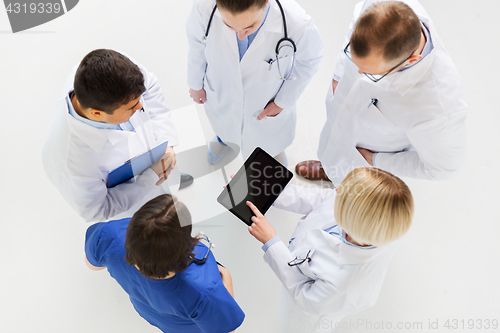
pixel 106 80
pixel 156 242
pixel 373 206
pixel 240 6
pixel 389 27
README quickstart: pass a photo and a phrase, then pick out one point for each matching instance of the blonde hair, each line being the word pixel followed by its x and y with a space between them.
pixel 373 206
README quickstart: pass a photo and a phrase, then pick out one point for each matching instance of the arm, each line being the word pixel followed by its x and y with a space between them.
pixel 307 59
pixel 154 103
pixel 338 72
pixel 440 147
pixel 311 295
pixel 93 201
pixel 302 200
pixel 92 267
pixel 195 30
pixel 226 279
pixel 96 244
pixel 218 311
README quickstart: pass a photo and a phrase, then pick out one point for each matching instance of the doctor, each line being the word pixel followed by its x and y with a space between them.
pixel 338 255
pixel 172 279
pixel 111 110
pixel 394 103
pixel 233 70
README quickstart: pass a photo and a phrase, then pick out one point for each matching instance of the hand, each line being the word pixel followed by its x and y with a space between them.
pixel 271 110
pixel 367 154
pixel 199 96
pixel 232 176
pixel 334 85
pixel 260 228
pixel 165 165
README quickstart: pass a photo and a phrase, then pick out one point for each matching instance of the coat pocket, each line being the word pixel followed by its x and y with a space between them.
pixel 372 119
pixel 303 258
pixel 268 71
pixel 212 99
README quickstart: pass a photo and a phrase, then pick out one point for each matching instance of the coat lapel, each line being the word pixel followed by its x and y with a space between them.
pixel 272 25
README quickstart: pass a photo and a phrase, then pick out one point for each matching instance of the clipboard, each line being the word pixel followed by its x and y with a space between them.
pixel 260 180
pixel 136 165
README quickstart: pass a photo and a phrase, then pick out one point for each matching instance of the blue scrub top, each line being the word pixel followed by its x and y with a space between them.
pixel 194 300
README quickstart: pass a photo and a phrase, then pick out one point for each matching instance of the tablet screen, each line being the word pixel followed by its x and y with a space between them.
pixel 260 180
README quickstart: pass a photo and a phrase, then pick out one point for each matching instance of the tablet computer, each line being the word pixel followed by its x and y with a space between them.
pixel 136 165
pixel 261 180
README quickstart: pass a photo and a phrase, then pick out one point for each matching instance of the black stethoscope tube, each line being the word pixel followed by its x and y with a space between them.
pixel 285 31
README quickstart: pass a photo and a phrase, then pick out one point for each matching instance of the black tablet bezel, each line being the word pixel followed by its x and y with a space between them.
pixel 242 172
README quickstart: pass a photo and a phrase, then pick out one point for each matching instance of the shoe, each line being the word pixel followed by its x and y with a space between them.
pixel 312 170
pixel 213 157
pixel 186 180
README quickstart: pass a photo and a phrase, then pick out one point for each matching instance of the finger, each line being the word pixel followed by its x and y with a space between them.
pixel 263 114
pixel 251 229
pixel 254 209
pixel 160 181
pixel 169 159
pixel 232 176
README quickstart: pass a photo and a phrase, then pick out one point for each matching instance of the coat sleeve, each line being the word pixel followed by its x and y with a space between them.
pixel 154 103
pixel 302 200
pixel 94 202
pixel 195 30
pixel 307 59
pixel 439 150
pixel 218 312
pixel 310 295
pixel 339 66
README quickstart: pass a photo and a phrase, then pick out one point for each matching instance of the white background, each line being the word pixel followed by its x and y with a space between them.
pixel 447 268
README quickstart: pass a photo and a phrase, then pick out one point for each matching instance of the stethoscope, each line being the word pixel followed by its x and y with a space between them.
pixel 210 246
pixel 283 43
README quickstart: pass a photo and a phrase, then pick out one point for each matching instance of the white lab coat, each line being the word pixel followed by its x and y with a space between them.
pixel 418 125
pixel 77 157
pixel 340 279
pixel 237 92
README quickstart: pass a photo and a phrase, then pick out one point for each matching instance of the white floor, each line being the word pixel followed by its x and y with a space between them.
pixel 447 268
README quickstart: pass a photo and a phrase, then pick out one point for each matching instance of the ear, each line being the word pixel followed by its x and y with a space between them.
pixel 414 58
pixel 97 115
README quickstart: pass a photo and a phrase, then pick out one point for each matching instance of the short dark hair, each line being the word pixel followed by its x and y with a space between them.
pixel 239 6
pixel 391 27
pixel 156 242
pixel 106 80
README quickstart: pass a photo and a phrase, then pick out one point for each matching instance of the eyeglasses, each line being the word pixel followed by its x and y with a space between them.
pixel 375 78
pixel 299 260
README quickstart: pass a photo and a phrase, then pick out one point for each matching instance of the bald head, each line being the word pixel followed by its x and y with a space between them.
pixel 389 29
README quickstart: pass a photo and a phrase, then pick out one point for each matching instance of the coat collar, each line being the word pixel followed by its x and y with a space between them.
pixel 93 137
pixel 406 80
pixel 351 255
